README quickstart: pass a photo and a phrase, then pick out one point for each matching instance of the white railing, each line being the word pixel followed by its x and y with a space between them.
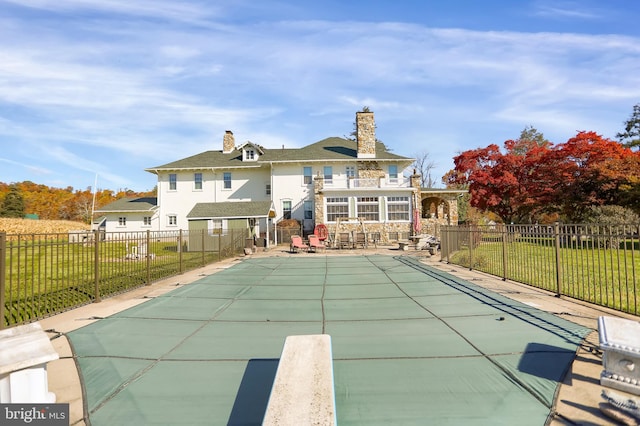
pixel 363 183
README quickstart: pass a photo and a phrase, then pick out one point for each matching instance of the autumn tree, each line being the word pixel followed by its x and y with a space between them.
pixel 531 180
pixel 64 203
pixel 508 184
pixel 13 203
pixel 631 135
pixel 591 170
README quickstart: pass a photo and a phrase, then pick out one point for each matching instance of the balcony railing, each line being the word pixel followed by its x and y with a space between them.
pixel 365 183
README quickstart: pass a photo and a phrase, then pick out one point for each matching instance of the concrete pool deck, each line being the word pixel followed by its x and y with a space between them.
pixel 576 402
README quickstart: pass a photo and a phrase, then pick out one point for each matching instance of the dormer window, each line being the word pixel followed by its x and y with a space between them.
pixel 250 151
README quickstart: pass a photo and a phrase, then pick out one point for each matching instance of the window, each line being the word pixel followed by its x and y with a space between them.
pixel 308 175
pixel 197 181
pixel 368 208
pixel 267 189
pixel 122 221
pixel 351 172
pixel 286 209
pixel 328 174
pixel 397 208
pixel 393 173
pixel 337 207
pixel 308 209
pixel 146 221
pixel 173 220
pixel 173 181
pixel 227 180
pixel 217 226
pixel 250 154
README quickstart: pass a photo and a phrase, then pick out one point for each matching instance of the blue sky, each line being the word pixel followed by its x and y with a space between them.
pixel 111 87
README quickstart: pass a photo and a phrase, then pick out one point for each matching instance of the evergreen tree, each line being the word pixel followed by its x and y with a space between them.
pixel 13 204
pixel 631 135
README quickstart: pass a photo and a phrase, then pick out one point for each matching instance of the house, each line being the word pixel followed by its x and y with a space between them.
pixel 345 185
pixel 128 215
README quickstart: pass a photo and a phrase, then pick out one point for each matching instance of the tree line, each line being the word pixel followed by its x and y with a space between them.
pixel 27 198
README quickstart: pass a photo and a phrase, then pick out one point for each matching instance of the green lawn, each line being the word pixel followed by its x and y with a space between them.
pixel 604 276
pixel 47 276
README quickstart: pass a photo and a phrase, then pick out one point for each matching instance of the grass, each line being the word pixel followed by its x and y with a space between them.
pixel 47 276
pixel 603 276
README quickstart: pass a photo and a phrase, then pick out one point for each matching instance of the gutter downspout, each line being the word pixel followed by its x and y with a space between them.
pixel 275 226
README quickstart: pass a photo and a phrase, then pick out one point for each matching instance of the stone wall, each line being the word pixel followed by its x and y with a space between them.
pixel 370 170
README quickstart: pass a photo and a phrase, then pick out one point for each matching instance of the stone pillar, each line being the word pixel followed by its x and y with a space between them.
pixel 453 210
pixel 417 198
pixel 318 199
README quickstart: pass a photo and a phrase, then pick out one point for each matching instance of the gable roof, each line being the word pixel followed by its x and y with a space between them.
pixel 257 147
pixel 140 204
pixel 231 209
pixel 330 149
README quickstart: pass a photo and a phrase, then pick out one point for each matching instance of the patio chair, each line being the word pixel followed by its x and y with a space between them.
pixel 297 244
pixel 344 240
pixel 361 240
pixel 315 244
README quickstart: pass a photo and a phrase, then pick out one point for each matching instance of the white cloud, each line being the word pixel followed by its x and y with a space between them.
pixel 155 90
pixel 566 9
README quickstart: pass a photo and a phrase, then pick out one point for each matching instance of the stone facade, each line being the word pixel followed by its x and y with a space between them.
pixel 366 134
pixel 370 170
pixel 445 203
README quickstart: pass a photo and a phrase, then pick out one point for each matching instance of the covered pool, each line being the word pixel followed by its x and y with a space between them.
pixel 411 345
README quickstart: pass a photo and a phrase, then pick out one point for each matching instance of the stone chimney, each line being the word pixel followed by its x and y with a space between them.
pixel 228 142
pixel 366 134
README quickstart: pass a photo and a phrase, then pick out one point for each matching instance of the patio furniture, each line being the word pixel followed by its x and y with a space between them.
pixel 321 232
pixel 315 244
pixel 360 240
pixel 374 237
pixel 297 244
pixel 343 240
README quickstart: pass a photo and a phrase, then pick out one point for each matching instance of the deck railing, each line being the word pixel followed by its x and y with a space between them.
pixel 598 264
pixel 363 183
pixel 45 274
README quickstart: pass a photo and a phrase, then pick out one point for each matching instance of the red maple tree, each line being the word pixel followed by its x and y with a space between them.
pixel 529 179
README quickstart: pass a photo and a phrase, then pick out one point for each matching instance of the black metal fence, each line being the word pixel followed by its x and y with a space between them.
pixel 45 274
pixel 599 264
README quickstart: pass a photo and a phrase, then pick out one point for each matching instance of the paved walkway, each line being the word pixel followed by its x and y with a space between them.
pixel 576 402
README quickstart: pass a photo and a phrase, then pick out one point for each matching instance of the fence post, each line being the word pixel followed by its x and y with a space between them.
pixel 556 231
pixel 96 265
pixel 148 252
pixel 180 265
pixel 3 271
pixel 470 247
pixel 451 234
pixel 505 270
pixel 203 231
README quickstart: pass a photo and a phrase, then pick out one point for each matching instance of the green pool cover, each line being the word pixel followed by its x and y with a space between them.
pixel 411 345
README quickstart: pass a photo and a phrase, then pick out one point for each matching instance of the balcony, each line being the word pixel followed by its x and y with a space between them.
pixel 367 183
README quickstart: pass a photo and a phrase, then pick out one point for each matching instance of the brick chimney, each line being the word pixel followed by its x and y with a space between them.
pixel 366 134
pixel 228 142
